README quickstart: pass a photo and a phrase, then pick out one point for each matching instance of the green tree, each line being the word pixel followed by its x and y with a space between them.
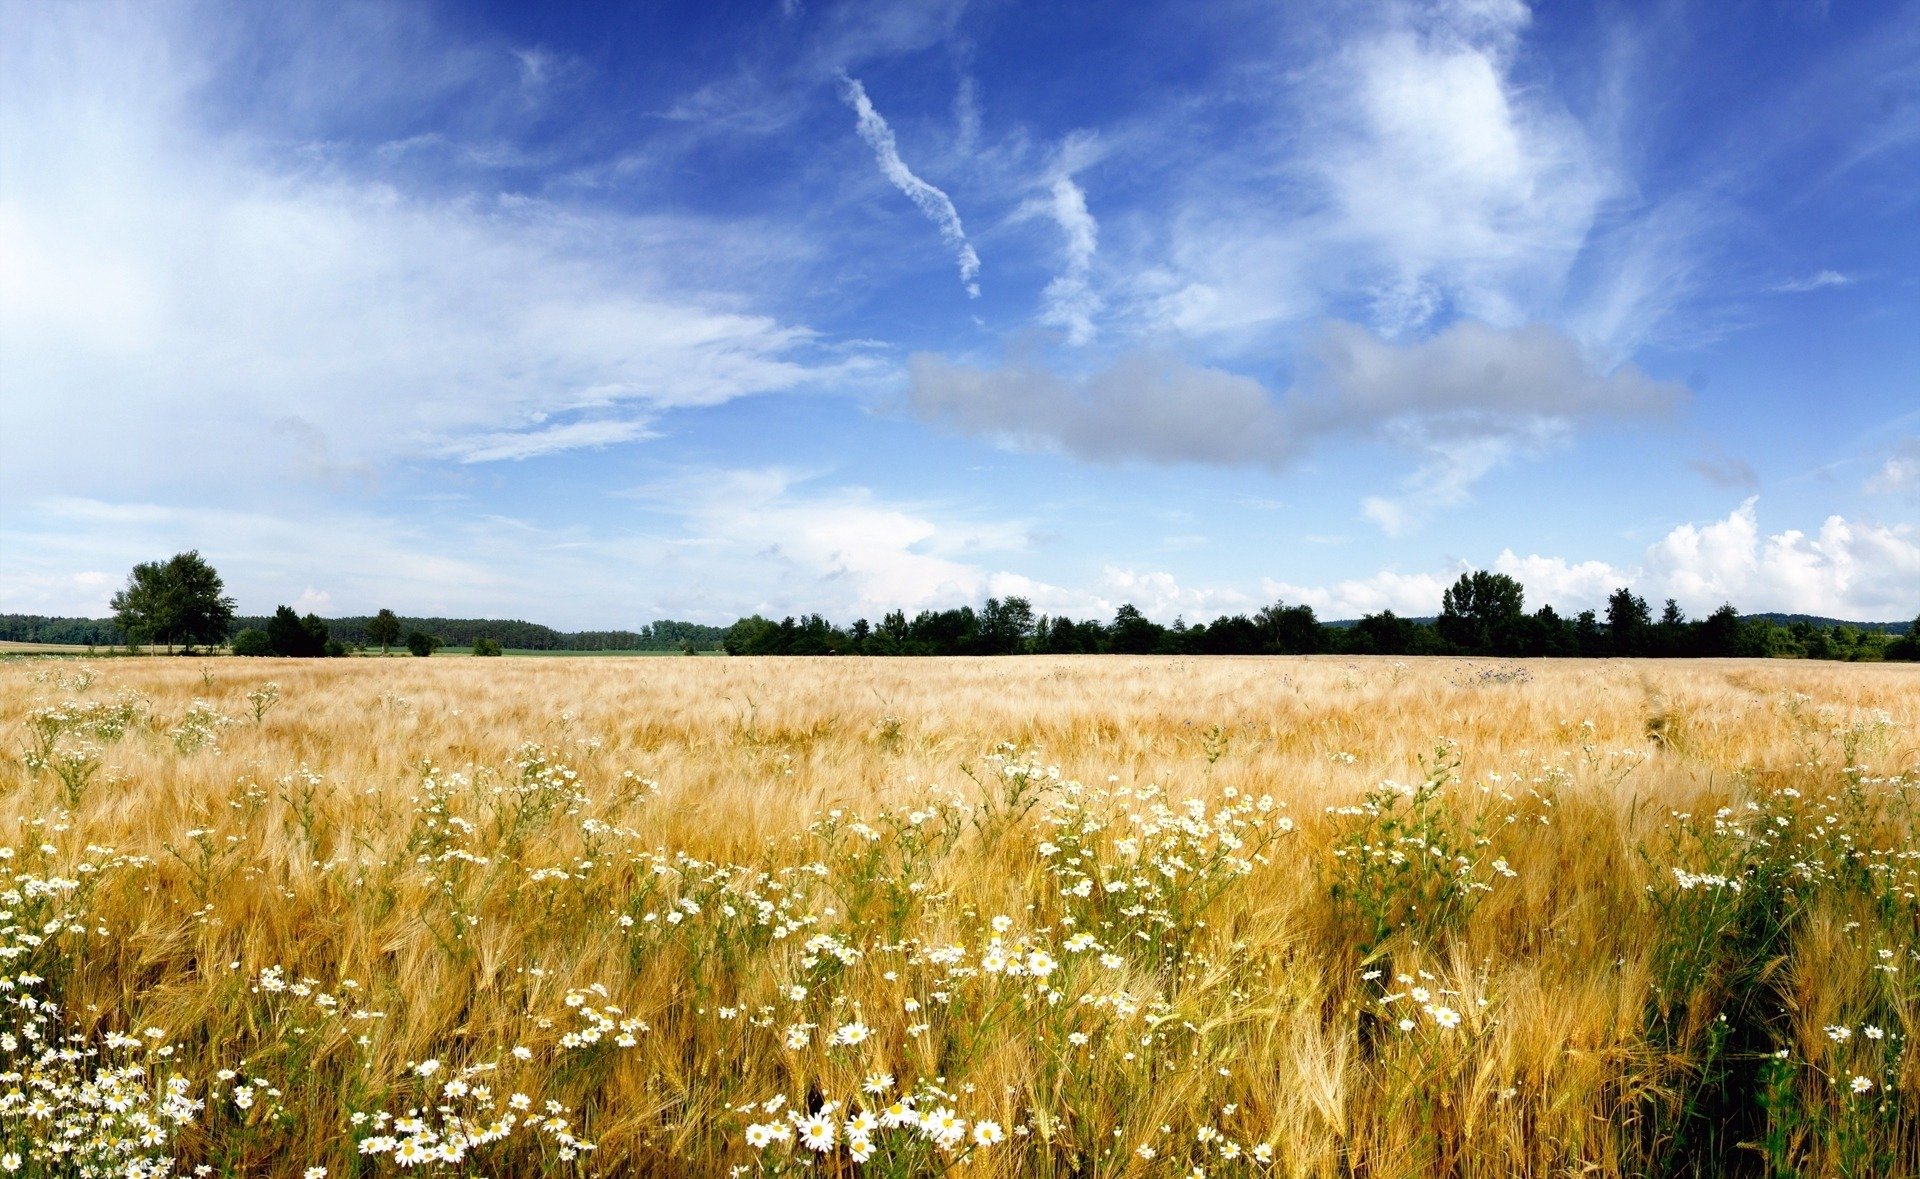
pixel 1629 622
pixel 1005 627
pixel 1481 613
pixel 1907 646
pixel 1133 633
pixel 384 628
pixel 295 637
pixel 252 641
pixel 1290 630
pixel 486 646
pixel 421 643
pixel 179 600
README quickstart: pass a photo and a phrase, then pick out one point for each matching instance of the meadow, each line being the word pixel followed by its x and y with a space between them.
pixel 1046 916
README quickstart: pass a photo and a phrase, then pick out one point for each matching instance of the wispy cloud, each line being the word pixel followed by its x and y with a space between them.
pixel 1820 280
pixel 525 444
pixel 1407 170
pixel 1069 301
pixel 1901 471
pixel 239 312
pixel 937 206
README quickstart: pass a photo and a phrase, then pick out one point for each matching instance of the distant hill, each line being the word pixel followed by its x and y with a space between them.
pixel 1886 628
pixel 665 635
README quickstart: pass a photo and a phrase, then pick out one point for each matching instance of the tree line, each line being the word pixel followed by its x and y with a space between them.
pixel 181 602
pixel 1482 613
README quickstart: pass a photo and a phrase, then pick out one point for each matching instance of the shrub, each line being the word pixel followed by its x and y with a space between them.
pixel 252 641
pixel 486 646
pixel 421 643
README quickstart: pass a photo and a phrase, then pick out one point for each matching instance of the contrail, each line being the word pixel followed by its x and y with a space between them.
pixel 934 203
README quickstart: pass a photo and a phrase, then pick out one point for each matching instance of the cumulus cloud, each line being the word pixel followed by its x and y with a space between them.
pixel 195 288
pixel 1407 594
pixel 1847 569
pixel 1466 400
pixel 937 206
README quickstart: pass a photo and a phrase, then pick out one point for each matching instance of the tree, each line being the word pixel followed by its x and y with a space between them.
pixel 1290 630
pixel 1133 633
pixel 1005 627
pixel 1908 645
pixel 290 635
pixel 384 628
pixel 1628 621
pixel 421 643
pixel 486 646
pixel 174 601
pixel 1481 613
pixel 252 641
pixel 1385 633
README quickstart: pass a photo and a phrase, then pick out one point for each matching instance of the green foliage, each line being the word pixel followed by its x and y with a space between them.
pixel 1404 862
pixel 1481 613
pixel 485 646
pixel 252 641
pixel 305 638
pixel 384 628
pixel 174 601
pixel 420 643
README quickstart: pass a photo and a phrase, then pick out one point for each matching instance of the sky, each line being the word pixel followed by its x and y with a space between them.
pixel 603 313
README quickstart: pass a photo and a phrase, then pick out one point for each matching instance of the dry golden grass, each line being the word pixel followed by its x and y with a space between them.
pixel 467 847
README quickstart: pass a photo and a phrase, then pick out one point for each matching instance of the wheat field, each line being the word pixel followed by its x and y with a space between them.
pixel 1028 916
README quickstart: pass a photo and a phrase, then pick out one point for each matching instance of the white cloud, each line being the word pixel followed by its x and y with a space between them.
pixel 782 545
pixel 1423 174
pixel 1900 472
pixel 1568 586
pixel 313 601
pixel 1160 596
pixel 173 294
pixel 1819 280
pixel 937 206
pixel 1069 301
pixel 713 545
pixel 514 445
pixel 1407 594
pixel 1847 569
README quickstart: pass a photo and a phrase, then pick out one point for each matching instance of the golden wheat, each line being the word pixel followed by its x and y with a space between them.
pixel 1031 916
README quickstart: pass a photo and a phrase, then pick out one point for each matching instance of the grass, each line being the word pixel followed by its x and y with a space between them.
pixel 1037 916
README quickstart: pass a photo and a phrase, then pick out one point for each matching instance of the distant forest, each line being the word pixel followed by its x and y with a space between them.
pixel 1481 614
pixel 666 635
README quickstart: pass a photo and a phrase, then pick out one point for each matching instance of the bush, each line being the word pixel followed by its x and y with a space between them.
pixel 252 641
pixel 485 646
pixel 421 643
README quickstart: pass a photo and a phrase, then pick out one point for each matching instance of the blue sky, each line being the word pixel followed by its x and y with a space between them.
pixel 603 313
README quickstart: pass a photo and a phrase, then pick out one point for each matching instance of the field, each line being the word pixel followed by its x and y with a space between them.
pixel 1035 916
